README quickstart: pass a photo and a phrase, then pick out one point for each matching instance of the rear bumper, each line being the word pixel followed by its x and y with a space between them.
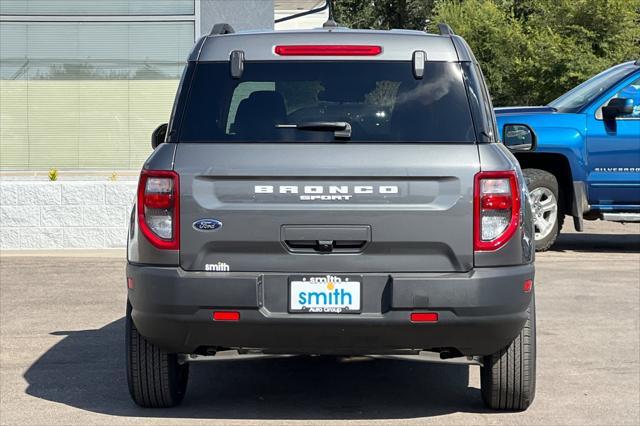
pixel 480 312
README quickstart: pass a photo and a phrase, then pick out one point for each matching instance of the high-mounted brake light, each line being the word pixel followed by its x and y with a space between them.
pixel 159 208
pixel 328 50
pixel 496 209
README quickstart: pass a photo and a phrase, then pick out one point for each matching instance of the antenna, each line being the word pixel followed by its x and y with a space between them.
pixel 331 23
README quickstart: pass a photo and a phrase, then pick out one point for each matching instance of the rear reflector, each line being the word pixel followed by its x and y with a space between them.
pixel 328 50
pixel 226 316
pixel 424 317
pixel 130 283
pixel 527 286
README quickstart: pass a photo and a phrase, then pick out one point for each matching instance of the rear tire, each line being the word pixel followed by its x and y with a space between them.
pixel 508 377
pixel 155 378
pixel 547 210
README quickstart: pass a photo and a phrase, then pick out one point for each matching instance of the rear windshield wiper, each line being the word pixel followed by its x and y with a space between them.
pixel 341 129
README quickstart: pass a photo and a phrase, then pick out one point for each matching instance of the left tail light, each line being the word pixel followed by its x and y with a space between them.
pixel 496 209
pixel 159 208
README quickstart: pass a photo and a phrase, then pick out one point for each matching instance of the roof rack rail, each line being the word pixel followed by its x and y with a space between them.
pixel 222 28
pixel 445 29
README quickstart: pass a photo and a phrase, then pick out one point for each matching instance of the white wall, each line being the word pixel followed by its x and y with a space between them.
pixel 65 214
pixel 315 20
pixel 240 14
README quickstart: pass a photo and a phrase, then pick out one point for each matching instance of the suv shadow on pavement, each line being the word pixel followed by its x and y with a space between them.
pixel 603 243
pixel 86 370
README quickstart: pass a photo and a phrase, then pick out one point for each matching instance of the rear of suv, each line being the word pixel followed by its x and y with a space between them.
pixel 331 191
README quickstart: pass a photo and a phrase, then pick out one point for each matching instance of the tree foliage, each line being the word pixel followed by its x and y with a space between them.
pixel 384 14
pixel 531 51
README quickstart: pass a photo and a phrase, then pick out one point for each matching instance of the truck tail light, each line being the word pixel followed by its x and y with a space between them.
pixel 496 209
pixel 159 208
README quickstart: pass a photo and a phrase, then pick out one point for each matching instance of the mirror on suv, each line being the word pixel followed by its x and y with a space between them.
pixel 519 137
pixel 159 134
pixel 617 107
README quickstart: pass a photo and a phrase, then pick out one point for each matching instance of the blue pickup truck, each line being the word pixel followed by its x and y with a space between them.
pixel 582 158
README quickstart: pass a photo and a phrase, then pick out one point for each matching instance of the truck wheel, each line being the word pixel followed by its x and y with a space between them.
pixel 545 204
pixel 155 378
pixel 508 377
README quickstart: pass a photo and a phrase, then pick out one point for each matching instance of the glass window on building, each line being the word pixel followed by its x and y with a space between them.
pixel 87 94
pixel 97 7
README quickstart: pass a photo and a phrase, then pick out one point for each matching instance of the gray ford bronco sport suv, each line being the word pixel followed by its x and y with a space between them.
pixel 331 191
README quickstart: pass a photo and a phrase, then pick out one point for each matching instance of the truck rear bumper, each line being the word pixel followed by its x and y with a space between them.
pixel 479 312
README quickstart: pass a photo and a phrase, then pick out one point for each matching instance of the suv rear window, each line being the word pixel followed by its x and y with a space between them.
pixel 382 101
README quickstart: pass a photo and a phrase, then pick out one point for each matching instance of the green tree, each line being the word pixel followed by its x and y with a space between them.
pixel 531 51
pixel 384 14
pixel 496 38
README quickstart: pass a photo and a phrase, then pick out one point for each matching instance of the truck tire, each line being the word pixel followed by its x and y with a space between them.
pixel 155 378
pixel 547 211
pixel 508 377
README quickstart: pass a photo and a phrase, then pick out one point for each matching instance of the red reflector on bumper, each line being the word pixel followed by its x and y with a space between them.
pixel 527 286
pixel 424 317
pixel 226 316
pixel 129 282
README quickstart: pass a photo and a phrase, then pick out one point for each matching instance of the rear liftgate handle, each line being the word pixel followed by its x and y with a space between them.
pixel 325 239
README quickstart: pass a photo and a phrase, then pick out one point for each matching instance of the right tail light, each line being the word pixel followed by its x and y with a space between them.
pixel 496 209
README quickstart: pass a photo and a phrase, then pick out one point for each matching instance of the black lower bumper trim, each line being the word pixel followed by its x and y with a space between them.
pixel 479 312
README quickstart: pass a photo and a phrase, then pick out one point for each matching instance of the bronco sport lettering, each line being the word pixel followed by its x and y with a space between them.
pixel 330 193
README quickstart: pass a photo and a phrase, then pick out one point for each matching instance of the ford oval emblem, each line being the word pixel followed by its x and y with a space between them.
pixel 207 225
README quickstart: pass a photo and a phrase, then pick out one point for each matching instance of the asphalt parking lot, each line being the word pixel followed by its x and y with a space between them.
pixel 62 354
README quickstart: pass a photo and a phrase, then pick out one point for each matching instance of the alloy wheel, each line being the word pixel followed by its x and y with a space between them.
pixel 545 211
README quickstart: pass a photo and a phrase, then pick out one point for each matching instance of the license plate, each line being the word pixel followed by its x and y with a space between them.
pixel 325 294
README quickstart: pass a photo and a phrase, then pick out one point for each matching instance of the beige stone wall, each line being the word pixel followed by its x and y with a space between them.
pixel 65 214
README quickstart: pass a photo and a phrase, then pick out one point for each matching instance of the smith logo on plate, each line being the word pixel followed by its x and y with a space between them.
pixel 325 294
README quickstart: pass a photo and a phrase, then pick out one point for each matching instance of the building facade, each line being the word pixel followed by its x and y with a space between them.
pixel 284 8
pixel 83 83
